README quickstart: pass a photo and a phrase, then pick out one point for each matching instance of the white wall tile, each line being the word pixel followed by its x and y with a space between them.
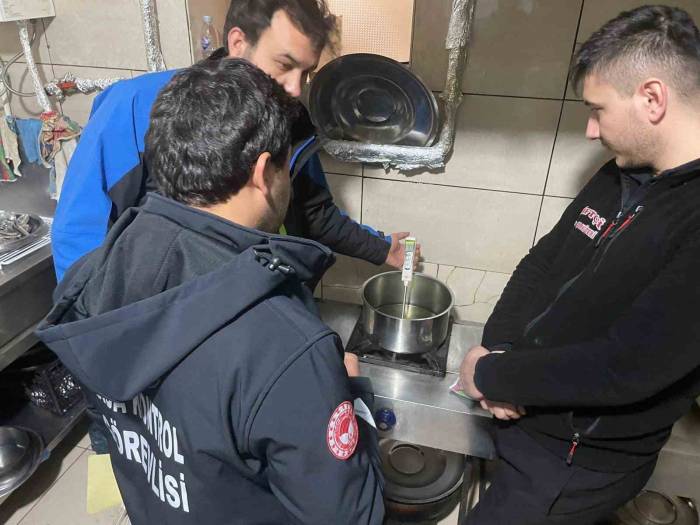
pixel 464 282
pixel 10 45
pixel 104 33
pixel 173 26
pixel 476 292
pixel 351 272
pixel 576 159
pixel 342 294
pixel 428 54
pixel 89 33
pixel 501 143
pixel 430 269
pixel 332 165
pixel 456 226
pixel 522 47
pixel 347 194
pixel 519 47
pixel 598 12
pixel 21 80
pixel 78 105
pixel 196 9
pixel 552 209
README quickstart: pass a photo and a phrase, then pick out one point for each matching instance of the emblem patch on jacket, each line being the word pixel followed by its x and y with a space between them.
pixel 342 434
pixel 596 223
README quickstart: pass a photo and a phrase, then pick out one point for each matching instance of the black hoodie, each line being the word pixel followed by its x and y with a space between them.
pixel 602 318
pixel 224 393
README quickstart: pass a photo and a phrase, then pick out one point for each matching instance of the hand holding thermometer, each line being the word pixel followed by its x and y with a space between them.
pixel 407 271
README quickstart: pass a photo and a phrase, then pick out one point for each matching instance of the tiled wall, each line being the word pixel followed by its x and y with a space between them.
pixel 520 153
pixel 103 38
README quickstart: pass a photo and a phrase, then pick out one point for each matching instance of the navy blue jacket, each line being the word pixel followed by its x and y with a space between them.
pixel 219 384
pixel 106 176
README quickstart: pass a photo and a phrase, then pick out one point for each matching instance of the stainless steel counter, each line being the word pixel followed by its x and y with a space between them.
pixel 25 297
pixel 427 413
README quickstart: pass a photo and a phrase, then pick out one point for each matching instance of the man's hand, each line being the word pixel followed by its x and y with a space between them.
pixel 499 409
pixel 503 411
pixel 466 371
pixel 352 364
pixel 397 252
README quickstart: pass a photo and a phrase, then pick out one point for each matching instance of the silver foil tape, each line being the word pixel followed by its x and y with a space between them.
pixel 41 96
pixel 58 87
pixel 409 158
pixel 151 37
pixel 457 34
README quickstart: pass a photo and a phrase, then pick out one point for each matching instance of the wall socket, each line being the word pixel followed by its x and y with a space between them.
pixel 12 10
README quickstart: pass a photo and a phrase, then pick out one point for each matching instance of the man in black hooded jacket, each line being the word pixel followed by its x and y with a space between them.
pixel 597 332
pixel 198 342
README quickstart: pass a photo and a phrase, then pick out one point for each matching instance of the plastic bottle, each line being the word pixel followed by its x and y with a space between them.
pixel 209 40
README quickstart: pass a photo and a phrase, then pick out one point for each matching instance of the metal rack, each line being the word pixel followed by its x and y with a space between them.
pixel 25 297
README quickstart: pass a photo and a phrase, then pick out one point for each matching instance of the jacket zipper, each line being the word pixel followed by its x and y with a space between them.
pixel 614 235
pixel 561 292
pixel 577 437
pixel 575 441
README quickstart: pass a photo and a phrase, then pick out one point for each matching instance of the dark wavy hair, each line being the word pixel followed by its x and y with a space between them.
pixel 648 40
pixel 210 124
pixel 311 17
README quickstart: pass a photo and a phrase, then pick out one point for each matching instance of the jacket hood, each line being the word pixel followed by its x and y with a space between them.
pixel 120 353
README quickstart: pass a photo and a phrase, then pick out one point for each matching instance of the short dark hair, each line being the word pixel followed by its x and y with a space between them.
pixel 210 124
pixel 647 40
pixel 312 17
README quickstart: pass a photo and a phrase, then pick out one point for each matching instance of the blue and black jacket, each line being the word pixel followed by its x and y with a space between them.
pixel 106 176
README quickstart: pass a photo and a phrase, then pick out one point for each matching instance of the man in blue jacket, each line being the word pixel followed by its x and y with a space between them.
pixel 596 332
pixel 196 339
pixel 107 175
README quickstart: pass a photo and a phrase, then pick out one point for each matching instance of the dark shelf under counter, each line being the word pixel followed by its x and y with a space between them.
pixel 51 427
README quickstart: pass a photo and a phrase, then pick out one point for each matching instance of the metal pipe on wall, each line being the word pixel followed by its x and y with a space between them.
pixel 151 36
pixel 25 41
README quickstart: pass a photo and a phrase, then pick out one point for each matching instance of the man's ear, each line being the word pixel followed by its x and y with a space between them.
pixel 653 96
pixel 259 178
pixel 237 43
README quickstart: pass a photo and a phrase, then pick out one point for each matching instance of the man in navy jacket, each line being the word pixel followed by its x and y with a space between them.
pixel 597 332
pixel 196 339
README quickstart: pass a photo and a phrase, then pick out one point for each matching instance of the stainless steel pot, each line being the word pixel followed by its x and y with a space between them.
pixel 20 451
pixel 654 508
pixel 421 483
pixel 428 321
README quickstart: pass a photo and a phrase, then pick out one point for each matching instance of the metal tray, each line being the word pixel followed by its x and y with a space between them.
pixel 19 229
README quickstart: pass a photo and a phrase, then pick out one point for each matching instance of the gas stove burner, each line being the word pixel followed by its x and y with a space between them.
pixel 19 229
pixel 431 363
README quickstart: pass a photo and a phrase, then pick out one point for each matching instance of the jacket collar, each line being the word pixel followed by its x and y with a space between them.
pixel 308 259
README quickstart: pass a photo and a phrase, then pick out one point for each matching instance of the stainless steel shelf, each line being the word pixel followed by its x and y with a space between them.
pixel 17 346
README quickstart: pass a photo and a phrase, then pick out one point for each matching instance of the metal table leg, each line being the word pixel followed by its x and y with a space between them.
pixel 473 487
